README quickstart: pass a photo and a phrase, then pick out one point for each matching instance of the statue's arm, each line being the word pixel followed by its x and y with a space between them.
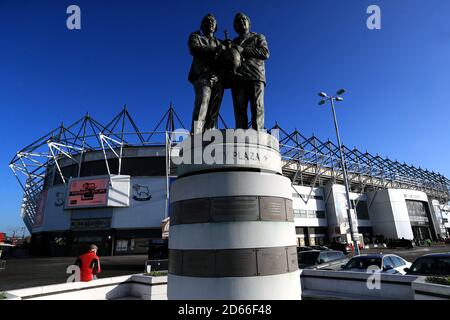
pixel 260 50
pixel 196 48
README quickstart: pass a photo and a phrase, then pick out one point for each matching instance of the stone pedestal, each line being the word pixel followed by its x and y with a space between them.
pixel 232 233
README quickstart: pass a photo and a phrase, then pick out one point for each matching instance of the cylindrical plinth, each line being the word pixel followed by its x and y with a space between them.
pixel 232 235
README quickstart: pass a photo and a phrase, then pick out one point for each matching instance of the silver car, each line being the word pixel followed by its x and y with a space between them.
pixel 321 259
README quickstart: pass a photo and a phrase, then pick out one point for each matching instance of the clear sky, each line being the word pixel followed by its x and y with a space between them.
pixel 135 52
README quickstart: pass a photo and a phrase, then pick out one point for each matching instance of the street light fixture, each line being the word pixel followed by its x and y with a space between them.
pixel 340 92
pixel 338 97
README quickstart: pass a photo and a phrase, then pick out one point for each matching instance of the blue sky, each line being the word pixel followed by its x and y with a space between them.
pixel 135 53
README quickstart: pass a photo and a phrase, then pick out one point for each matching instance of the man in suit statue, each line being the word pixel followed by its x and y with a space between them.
pixel 205 48
pixel 252 75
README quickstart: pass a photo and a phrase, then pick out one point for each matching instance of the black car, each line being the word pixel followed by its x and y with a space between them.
pixel 158 255
pixel 435 264
pixel 309 248
pixel 158 249
pixel 322 260
pixel 400 243
pixel 339 246
pixel 320 248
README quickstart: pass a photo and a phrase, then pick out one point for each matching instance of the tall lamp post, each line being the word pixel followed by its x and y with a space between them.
pixel 338 97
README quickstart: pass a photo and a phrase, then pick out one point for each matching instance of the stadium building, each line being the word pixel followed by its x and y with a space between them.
pixel 110 185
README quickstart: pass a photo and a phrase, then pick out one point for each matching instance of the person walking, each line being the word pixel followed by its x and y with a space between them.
pixel 89 264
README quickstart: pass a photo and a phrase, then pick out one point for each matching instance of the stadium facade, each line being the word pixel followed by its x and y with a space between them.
pixel 110 185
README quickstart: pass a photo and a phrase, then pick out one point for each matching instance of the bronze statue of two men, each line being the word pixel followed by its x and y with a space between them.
pixel 220 64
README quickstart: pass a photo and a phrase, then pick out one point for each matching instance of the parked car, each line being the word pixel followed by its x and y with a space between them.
pixel 309 248
pixel 321 260
pixel 400 243
pixel 304 248
pixel 387 263
pixel 431 264
pixel 320 248
pixel 339 246
pixel 158 249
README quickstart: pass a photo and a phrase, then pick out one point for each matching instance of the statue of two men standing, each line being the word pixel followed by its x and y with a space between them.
pixel 238 64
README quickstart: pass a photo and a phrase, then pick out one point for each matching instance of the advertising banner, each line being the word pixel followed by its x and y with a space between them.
pixel 171 181
pixel 165 226
pixel 39 217
pixel 88 193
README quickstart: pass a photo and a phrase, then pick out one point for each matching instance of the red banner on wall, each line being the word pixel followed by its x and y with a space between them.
pixel 39 216
pixel 87 193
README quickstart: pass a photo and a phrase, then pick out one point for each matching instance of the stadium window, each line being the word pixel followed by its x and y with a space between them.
pixel 148 166
pixel 361 210
pixel 300 196
pixel 303 214
pixel 320 214
pixel 312 214
pixel 98 168
pixel 67 172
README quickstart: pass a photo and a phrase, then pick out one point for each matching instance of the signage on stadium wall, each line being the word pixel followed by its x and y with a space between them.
pixel 59 201
pixel 90 224
pixel 171 181
pixel 97 192
pixel 40 208
pixel 165 226
pixel 141 193
pixel 165 223
pixel 87 193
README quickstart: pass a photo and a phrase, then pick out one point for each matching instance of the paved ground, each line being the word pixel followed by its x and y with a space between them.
pixel 410 254
pixel 32 272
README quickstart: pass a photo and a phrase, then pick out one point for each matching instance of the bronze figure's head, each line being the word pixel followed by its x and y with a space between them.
pixel 241 24
pixel 209 24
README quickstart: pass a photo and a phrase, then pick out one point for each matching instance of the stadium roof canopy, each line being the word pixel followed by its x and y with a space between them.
pixel 306 160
